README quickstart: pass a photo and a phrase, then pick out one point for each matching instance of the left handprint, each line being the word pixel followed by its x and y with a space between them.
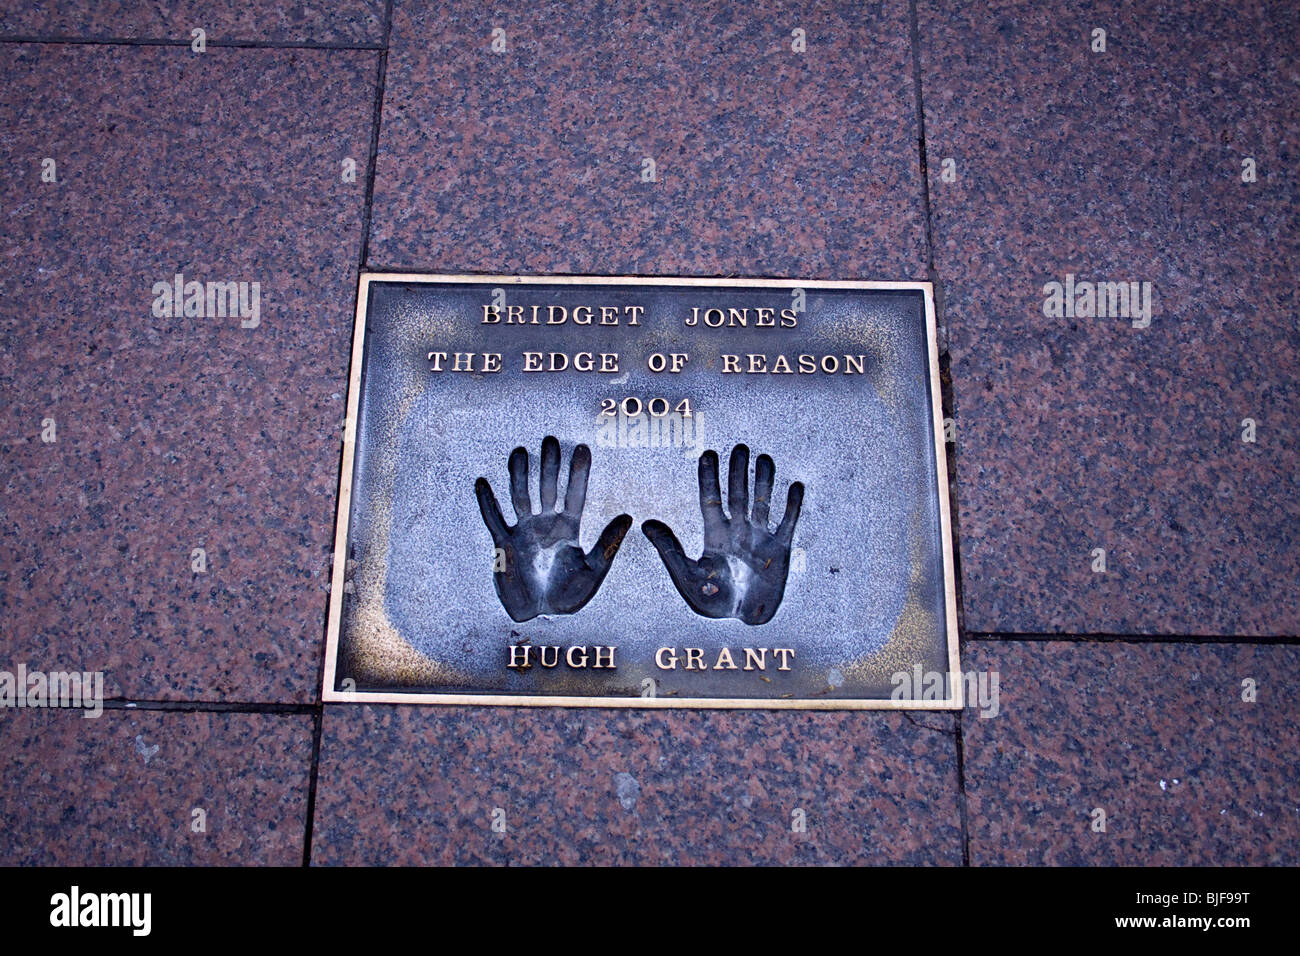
pixel 540 568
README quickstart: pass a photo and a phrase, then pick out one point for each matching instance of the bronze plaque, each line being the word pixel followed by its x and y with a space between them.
pixel 643 492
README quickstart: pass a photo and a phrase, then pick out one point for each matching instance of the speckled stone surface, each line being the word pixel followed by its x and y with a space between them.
pixel 768 162
pixel 1072 434
pixel 1083 433
pixel 411 786
pixel 1157 736
pixel 175 433
pixel 353 22
pixel 122 789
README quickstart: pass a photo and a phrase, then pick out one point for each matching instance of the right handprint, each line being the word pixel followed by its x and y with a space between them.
pixel 742 572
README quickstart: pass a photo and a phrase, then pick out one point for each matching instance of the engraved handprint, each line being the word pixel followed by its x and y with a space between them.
pixel 541 569
pixel 742 572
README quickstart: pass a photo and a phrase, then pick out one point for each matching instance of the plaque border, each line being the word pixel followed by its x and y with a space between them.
pixel 954 700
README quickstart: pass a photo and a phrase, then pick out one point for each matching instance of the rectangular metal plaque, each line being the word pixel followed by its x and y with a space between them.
pixel 643 492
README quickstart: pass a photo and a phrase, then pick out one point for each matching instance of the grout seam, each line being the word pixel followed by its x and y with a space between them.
pixel 1105 638
pixel 313 773
pixel 377 116
pixel 962 812
pixel 318 710
pixel 209 706
pixel 914 31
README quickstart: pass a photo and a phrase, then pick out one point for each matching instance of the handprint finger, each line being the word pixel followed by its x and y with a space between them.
pixel 670 552
pixel 793 502
pixel 715 521
pixel 575 495
pixel 738 484
pixel 601 556
pixel 492 517
pixel 519 483
pixel 764 473
pixel 548 487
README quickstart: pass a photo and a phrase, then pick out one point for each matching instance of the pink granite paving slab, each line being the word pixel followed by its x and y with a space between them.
pixel 404 785
pixel 767 161
pixel 1156 736
pixel 121 790
pixel 1079 433
pixel 175 433
pixel 355 22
